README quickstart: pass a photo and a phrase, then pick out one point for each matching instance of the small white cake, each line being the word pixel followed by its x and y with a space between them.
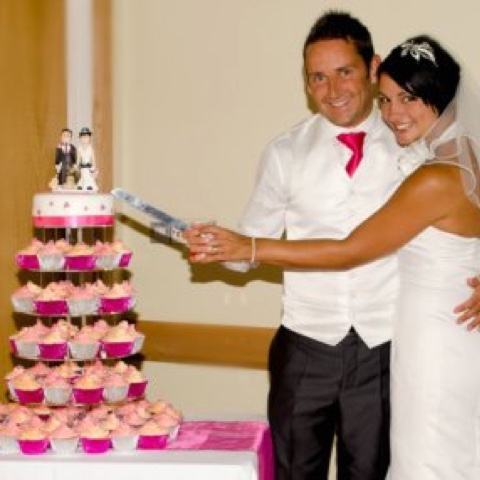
pixel 72 209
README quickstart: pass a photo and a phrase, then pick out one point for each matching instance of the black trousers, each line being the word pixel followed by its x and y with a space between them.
pixel 317 391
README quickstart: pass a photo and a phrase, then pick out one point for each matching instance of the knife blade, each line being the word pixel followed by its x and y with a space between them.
pixel 139 204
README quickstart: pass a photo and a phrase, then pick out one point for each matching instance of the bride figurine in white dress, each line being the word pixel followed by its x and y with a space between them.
pixel 86 162
pixel 433 222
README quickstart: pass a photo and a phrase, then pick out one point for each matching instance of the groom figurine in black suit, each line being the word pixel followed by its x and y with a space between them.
pixel 65 157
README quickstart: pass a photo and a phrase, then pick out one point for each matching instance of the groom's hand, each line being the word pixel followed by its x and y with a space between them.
pixel 470 310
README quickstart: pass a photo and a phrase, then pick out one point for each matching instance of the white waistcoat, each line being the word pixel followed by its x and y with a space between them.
pixel 303 189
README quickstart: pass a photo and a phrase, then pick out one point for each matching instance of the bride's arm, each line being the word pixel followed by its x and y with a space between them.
pixel 424 199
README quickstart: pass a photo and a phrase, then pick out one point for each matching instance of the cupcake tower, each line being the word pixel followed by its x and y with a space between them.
pixel 79 393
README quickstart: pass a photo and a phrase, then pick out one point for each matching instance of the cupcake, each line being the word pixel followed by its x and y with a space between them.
pixel 83 301
pixel 94 439
pixel 23 299
pixel 105 257
pixel 9 432
pixel 50 257
pixel 27 257
pixel 57 390
pixel 17 371
pixel 88 389
pixel 120 298
pixel 27 389
pixel 126 254
pixel 54 345
pixel 33 441
pixel 118 341
pixel 84 346
pixel 137 383
pixel 152 436
pixel 124 438
pixel 115 388
pixel 52 299
pixel 64 439
pixel 80 257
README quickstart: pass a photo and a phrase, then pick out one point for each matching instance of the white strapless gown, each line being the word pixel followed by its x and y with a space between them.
pixel 435 363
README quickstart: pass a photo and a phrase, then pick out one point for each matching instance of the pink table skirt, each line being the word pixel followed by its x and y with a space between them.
pixel 236 436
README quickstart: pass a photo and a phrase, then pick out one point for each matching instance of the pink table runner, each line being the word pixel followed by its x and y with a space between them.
pixel 239 435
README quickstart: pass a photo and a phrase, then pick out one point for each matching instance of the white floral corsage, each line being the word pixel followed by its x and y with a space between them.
pixel 413 157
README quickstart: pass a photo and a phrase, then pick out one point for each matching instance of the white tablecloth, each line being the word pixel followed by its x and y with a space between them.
pixel 138 465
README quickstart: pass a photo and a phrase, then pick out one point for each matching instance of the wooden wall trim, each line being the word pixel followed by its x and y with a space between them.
pixel 236 346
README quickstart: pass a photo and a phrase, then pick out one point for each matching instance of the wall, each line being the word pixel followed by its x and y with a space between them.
pixel 199 88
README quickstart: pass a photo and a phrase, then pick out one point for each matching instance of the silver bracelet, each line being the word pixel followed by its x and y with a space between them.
pixel 253 262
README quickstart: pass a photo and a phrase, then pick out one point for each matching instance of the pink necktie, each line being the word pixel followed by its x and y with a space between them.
pixel 354 141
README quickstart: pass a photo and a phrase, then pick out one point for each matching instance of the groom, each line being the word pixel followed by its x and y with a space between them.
pixel 329 359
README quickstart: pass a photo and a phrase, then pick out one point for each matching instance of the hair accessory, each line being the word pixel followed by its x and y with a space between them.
pixel 418 50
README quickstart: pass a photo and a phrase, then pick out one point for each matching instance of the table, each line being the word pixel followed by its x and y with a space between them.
pixel 206 450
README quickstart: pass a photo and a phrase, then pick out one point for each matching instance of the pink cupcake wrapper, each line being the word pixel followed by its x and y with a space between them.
pixel 117 349
pixel 116 305
pixel 94 395
pixel 137 389
pixel 152 442
pixel 28 262
pixel 125 259
pixel 53 307
pixel 80 262
pixel 53 351
pixel 95 445
pixel 30 396
pixel 34 447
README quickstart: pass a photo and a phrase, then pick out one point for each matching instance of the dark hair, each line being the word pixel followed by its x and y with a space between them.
pixel 67 130
pixel 422 67
pixel 341 25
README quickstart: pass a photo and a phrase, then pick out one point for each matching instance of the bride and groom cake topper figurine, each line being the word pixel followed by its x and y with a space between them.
pixel 75 166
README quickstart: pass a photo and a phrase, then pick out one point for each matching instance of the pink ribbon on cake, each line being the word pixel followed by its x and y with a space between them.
pixel 233 436
pixel 74 221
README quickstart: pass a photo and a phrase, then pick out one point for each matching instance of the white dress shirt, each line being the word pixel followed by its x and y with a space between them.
pixel 303 190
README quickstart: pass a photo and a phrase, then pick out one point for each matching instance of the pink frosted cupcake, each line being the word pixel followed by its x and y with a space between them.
pixel 124 438
pixel 33 441
pixel 54 345
pixel 118 341
pixel 64 439
pixel 120 298
pixel 126 254
pixel 27 257
pixel 27 389
pixel 105 257
pixel 70 371
pixel 83 301
pixel 94 439
pixel 137 383
pixel 52 299
pixel 26 343
pixel 115 388
pixel 9 433
pixel 152 436
pixel 80 257
pixel 88 389
pixel 57 390
pixel 23 299
pixel 84 346
pixel 51 257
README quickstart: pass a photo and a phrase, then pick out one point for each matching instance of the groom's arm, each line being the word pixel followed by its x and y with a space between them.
pixel 470 309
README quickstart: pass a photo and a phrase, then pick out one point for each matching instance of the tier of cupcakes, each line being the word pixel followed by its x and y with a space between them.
pixel 64 341
pixel 70 384
pixel 136 425
pixel 64 298
pixel 60 255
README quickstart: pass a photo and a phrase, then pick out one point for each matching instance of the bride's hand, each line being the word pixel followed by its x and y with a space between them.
pixel 208 243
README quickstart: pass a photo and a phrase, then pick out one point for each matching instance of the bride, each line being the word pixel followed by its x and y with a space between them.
pixel 433 222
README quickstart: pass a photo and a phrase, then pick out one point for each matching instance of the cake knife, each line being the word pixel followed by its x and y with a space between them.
pixel 167 220
pixel 174 226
